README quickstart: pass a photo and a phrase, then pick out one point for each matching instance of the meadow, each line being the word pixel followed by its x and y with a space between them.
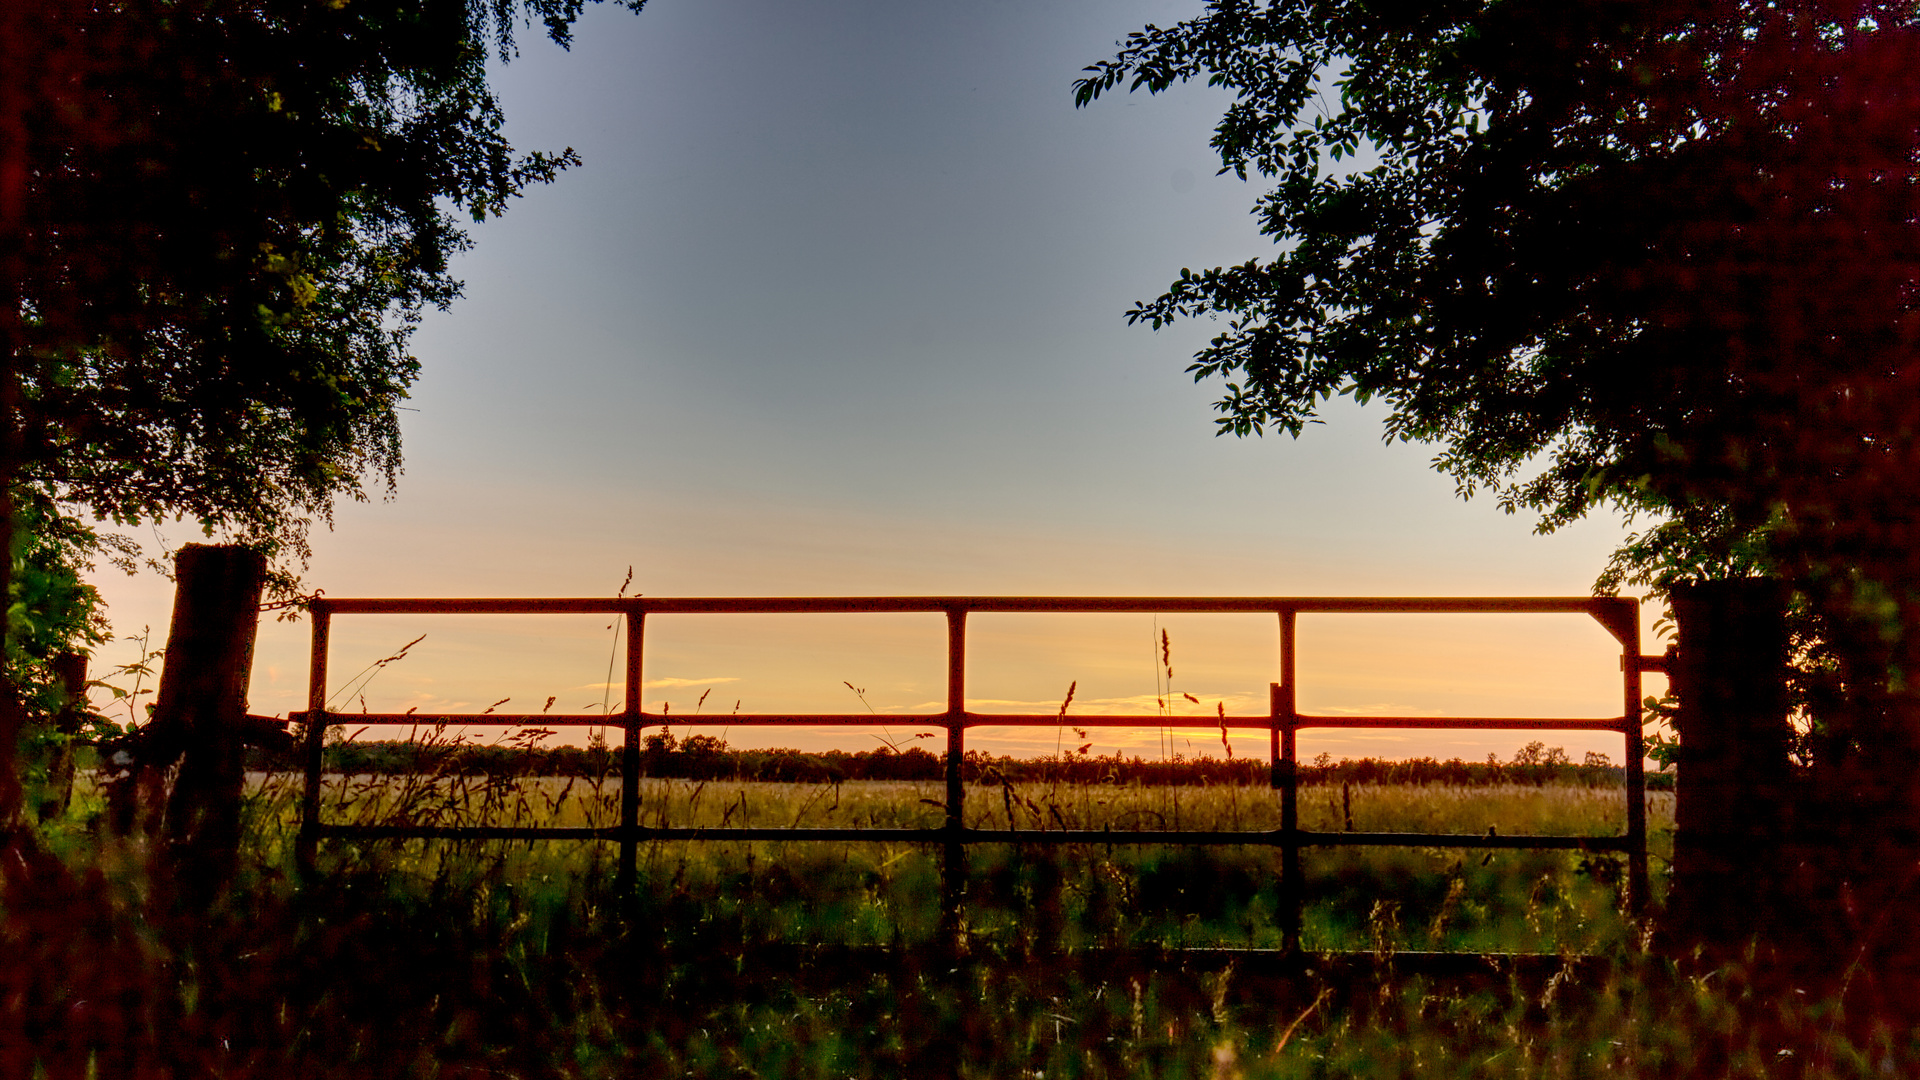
pixel 1071 896
pixel 437 958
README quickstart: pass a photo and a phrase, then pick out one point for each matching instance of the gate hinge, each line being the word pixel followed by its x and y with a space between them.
pixel 1652 661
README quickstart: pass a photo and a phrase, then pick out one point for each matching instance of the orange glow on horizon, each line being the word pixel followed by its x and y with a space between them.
pixel 701 669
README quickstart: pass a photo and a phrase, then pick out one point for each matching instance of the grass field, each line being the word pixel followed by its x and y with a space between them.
pixel 1073 896
pixel 441 959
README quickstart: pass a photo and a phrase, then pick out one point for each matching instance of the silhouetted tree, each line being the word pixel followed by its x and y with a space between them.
pixel 1657 255
pixel 220 221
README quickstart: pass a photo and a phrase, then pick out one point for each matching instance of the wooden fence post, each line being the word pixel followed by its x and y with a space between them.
pixel 202 707
pixel 1733 786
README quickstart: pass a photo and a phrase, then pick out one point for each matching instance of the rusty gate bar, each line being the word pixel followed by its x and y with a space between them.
pixel 974 719
pixel 1287 767
pixel 1618 615
pixel 953 854
pixel 630 750
pixel 307 844
pixel 940 835
pixel 1604 609
pixel 1632 664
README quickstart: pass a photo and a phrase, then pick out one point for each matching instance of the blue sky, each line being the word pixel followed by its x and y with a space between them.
pixel 833 306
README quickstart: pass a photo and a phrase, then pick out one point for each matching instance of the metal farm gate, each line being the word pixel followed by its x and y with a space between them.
pixel 1618 615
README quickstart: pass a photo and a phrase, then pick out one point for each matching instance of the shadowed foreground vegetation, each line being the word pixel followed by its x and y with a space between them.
pixel 497 959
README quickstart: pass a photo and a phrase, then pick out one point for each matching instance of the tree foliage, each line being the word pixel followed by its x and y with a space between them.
pixel 221 221
pixel 1653 254
pixel 1661 256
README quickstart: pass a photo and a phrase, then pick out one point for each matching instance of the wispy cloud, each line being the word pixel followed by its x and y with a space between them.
pixel 1145 704
pixel 598 687
pixel 1383 709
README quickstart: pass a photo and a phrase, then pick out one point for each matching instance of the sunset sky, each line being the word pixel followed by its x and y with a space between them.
pixel 834 307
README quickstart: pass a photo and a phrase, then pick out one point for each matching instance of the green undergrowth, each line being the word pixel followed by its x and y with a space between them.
pixel 367 973
pixel 498 959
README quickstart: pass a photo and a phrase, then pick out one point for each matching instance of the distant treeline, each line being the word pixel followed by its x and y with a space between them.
pixel 704 757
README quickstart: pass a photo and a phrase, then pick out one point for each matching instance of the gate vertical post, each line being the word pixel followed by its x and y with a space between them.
pixel 1638 888
pixel 953 862
pixel 315 737
pixel 1284 721
pixel 1729 673
pixel 630 754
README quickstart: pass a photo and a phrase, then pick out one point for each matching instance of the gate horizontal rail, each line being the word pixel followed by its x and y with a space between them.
pixel 973 719
pixel 1090 837
pixel 1283 720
